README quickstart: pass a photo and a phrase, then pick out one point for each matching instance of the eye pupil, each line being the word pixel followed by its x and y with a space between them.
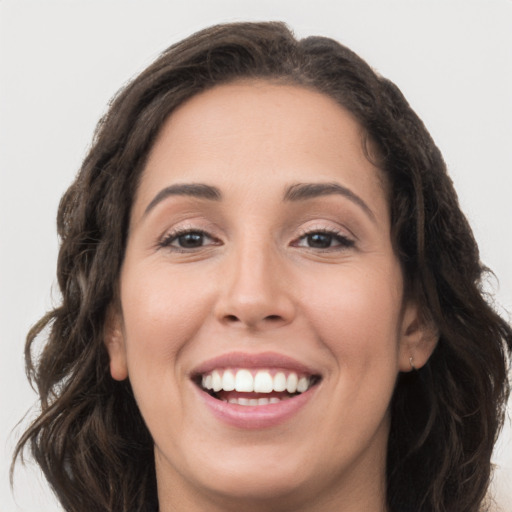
pixel 190 240
pixel 319 240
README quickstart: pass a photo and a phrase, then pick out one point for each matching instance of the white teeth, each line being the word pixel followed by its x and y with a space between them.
pixel 263 382
pixel 273 400
pixel 216 381
pixel 244 381
pixel 303 384
pixel 207 382
pixel 228 381
pixel 279 381
pixel 291 383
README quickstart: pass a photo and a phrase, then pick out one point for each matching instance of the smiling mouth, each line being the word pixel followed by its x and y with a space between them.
pixel 254 387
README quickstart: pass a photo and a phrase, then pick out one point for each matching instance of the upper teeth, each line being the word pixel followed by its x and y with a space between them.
pixel 261 381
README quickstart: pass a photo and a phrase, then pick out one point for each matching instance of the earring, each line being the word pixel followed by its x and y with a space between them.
pixel 411 362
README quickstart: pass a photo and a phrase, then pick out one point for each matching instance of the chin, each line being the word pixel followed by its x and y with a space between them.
pixel 253 475
pixel 274 488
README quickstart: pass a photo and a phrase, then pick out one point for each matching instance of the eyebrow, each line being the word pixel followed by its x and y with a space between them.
pixel 296 192
pixel 304 191
pixel 199 190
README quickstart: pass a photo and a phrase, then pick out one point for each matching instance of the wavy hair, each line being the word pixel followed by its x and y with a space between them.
pixel 90 439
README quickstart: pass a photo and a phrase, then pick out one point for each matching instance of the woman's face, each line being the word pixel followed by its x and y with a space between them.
pixel 259 254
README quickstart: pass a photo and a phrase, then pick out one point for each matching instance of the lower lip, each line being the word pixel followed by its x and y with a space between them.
pixel 256 416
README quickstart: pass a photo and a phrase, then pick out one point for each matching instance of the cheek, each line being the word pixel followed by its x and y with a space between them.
pixel 356 314
pixel 162 312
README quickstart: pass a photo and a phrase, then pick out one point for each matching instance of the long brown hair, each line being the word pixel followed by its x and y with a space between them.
pixel 90 439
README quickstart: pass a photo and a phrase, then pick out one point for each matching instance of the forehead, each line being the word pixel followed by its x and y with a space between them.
pixel 261 108
pixel 263 134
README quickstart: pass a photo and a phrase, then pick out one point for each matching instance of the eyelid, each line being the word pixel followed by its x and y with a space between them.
pixel 326 226
pixel 346 240
pixel 165 240
pixel 344 236
pixel 170 237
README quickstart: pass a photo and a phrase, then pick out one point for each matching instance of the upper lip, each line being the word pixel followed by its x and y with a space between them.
pixel 248 360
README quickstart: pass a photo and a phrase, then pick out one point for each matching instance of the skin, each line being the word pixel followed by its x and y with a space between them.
pixel 256 284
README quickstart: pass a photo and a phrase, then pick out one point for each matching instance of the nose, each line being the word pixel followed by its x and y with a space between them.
pixel 256 292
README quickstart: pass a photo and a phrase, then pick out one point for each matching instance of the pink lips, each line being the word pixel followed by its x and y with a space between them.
pixel 246 360
pixel 260 416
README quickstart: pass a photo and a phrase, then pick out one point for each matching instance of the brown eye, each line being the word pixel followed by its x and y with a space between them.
pixel 324 240
pixel 190 240
pixel 319 240
pixel 187 240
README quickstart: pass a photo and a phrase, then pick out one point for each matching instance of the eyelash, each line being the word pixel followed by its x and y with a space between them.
pixel 344 242
pixel 168 239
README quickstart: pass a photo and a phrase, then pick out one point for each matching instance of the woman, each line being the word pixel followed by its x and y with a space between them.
pixel 271 299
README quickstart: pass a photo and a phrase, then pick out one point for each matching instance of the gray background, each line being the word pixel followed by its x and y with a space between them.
pixel 61 62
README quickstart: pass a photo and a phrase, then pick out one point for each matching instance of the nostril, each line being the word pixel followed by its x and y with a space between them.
pixel 270 318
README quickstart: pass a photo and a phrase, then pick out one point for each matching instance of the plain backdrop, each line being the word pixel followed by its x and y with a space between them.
pixel 61 62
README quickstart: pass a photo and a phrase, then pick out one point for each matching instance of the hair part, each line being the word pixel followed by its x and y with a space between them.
pixel 90 439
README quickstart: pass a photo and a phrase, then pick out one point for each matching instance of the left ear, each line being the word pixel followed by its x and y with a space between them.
pixel 418 339
pixel 113 337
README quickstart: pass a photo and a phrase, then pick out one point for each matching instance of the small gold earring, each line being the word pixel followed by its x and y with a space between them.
pixel 411 359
